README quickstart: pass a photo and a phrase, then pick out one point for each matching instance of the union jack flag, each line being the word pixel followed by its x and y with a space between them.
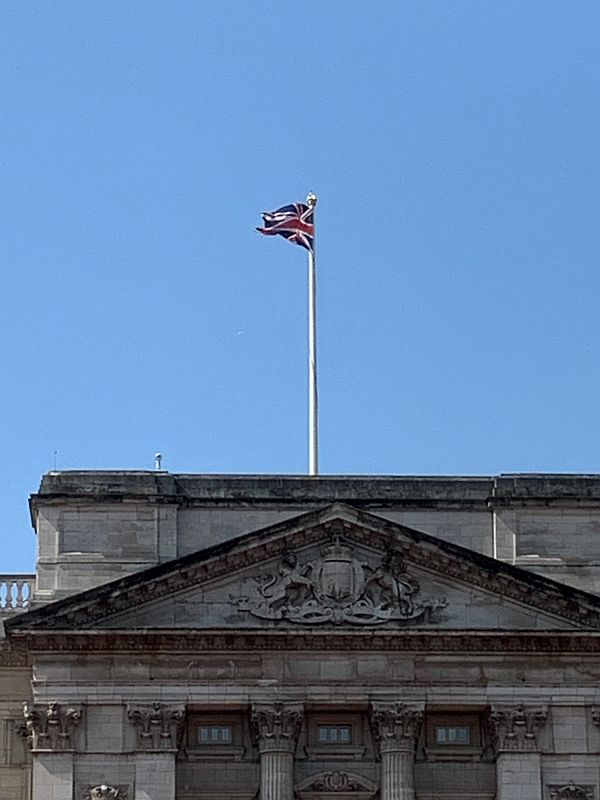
pixel 294 222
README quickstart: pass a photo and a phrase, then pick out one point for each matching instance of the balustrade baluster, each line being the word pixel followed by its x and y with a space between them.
pixel 15 593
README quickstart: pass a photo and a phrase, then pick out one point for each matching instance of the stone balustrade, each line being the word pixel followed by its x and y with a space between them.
pixel 15 593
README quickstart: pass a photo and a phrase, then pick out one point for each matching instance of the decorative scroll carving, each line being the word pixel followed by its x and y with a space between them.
pixel 336 782
pixel 50 726
pixel 571 791
pixel 338 588
pixel 277 727
pixel 158 727
pixel 516 727
pixel 596 715
pixel 104 792
pixel 395 726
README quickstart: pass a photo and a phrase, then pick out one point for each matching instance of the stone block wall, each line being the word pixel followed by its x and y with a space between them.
pixel 137 726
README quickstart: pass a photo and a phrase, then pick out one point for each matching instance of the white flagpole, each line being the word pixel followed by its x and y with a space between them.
pixel 313 397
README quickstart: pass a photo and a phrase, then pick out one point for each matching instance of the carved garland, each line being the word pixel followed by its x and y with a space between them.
pixel 336 782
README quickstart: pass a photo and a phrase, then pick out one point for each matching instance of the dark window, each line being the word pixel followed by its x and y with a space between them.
pixel 452 734
pixel 215 734
pixel 335 734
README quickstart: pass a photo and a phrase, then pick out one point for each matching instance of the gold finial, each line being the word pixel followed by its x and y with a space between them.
pixel 311 199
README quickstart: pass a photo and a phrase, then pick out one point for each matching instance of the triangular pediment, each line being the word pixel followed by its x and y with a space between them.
pixel 336 569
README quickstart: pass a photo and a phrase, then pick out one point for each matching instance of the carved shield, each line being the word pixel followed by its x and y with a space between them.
pixel 339 576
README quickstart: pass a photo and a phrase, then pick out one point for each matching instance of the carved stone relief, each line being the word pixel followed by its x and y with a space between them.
pixel 395 726
pixel 338 588
pixel 50 726
pixel 516 727
pixel 596 715
pixel 158 727
pixel 571 791
pixel 276 727
pixel 105 792
pixel 338 783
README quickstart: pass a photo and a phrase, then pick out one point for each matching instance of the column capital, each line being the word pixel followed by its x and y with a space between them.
pixel 158 727
pixel 50 726
pixel 396 726
pixel 516 727
pixel 276 725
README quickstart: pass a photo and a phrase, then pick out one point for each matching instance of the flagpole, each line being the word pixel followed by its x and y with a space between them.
pixel 313 397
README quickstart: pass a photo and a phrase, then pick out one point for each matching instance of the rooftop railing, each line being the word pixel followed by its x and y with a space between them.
pixel 15 593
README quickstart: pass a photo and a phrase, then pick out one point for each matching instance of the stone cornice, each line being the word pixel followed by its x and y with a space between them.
pixel 359 528
pixel 382 489
pixel 185 641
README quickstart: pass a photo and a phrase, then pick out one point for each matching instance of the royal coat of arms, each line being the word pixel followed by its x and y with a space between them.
pixel 339 588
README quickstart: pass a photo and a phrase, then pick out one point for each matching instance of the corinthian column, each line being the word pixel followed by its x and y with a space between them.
pixel 276 728
pixel 396 727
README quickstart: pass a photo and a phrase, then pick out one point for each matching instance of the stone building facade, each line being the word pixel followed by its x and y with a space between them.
pixel 195 637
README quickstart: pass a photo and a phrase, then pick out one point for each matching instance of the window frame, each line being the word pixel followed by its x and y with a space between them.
pixel 329 727
pixel 453 751
pixel 195 750
pixel 212 726
pixel 317 749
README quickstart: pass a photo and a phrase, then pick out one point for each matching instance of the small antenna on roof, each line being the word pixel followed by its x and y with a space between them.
pixel 158 462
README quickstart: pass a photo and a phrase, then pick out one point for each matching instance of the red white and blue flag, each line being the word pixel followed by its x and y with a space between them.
pixel 294 222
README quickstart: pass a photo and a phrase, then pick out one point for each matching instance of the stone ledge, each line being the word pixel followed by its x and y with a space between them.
pixel 367 491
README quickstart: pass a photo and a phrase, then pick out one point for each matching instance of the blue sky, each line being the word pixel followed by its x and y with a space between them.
pixel 454 149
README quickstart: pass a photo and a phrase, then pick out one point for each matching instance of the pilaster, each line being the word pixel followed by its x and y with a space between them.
pixel 276 728
pixel 50 732
pixel 396 727
pixel 518 763
pixel 158 731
